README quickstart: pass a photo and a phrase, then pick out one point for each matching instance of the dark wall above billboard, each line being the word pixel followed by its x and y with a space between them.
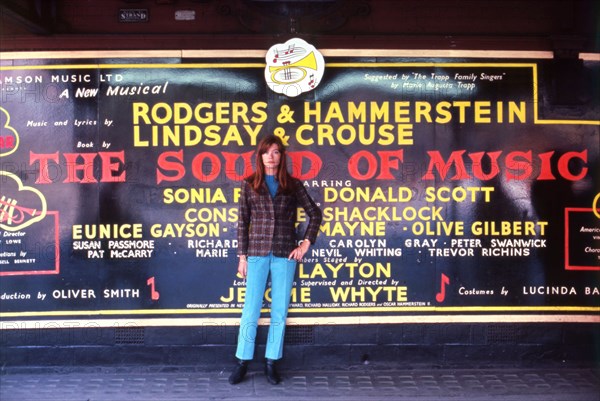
pixel 567 27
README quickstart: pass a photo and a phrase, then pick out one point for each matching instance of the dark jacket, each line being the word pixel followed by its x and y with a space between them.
pixel 268 224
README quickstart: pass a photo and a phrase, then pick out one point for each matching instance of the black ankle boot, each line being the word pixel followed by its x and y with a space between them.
pixel 238 373
pixel 271 372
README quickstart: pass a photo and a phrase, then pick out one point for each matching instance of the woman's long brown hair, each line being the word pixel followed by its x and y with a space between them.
pixel 284 178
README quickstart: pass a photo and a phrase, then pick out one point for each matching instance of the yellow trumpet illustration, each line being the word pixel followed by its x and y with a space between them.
pixel 309 61
pixel 14 217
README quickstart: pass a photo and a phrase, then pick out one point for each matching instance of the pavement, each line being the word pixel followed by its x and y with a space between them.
pixel 137 383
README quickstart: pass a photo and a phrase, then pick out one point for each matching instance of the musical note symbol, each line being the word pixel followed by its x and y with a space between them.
pixel 440 296
pixel 289 52
pixel 312 80
pixel 154 294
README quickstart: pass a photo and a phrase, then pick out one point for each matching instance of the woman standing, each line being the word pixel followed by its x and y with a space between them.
pixel 267 245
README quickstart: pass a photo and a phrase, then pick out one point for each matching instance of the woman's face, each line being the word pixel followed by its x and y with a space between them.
pixel 271 159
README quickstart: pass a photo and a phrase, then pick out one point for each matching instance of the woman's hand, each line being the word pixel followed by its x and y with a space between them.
pixel 298 253
pixel 243 266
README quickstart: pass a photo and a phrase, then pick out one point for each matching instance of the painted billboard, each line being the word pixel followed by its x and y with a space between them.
pixel 451 190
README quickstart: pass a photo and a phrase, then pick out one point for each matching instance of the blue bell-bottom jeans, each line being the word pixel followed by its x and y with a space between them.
pixel 282 277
